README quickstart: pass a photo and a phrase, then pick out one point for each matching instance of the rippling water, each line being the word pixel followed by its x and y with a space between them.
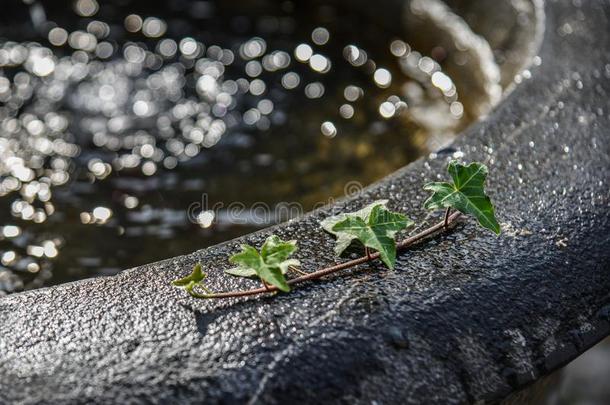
pixel 131 133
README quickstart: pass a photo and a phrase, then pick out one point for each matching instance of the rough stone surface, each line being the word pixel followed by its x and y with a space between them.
pixel 467 316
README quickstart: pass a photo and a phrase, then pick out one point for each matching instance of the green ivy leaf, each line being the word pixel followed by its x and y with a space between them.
pixel 466 194
pixel 195 279
pixel 276 251
pixel 241 271
pixel 344 239
pixel 269 265
pixel 377 232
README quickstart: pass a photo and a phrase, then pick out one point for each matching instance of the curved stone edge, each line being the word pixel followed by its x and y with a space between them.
pixel 436 19
pixel 466 317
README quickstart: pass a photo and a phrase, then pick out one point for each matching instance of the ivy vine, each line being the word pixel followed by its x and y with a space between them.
pixel 374 227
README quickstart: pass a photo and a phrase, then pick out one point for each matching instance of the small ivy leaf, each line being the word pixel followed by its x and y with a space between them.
pixel 344 239
pixel 269 265
pixel 377 232
pixel 249 272
pixel 466 194
pixel 195 279
pixel 196 276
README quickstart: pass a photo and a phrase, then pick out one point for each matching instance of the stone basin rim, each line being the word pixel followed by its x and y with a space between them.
pixel 472 328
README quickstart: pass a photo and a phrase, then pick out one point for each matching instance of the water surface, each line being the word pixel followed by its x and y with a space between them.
pixel 131 133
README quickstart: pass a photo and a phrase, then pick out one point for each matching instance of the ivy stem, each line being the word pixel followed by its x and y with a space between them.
pixel 446 221
pixel 367 252
pixel 443 225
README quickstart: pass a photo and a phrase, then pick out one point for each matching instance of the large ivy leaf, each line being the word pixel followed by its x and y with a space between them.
pixel 466 194
pixel 269 265
pixel 344 239
pixel 376 232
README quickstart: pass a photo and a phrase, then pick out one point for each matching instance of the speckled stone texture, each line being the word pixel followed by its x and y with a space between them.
pixel 466 316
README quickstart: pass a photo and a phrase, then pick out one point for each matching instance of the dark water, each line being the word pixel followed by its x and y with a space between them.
pixel 132 132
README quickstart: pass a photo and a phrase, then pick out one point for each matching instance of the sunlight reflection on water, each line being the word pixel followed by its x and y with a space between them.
pixel 114 114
